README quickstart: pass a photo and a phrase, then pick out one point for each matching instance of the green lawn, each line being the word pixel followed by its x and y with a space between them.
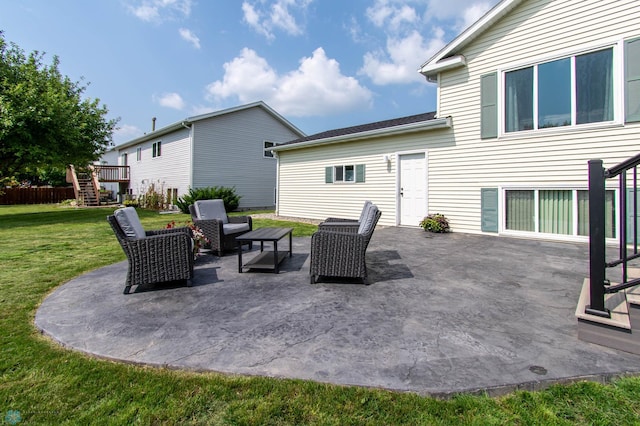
pixel 42 247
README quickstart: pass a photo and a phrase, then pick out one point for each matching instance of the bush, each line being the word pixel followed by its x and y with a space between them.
pixel 435 223
pixel 130 202
pixel 228 195
pixel 152 199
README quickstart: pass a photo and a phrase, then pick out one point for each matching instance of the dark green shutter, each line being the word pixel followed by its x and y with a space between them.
pixel 489 209
pixel 632 80
pixel 489 106
pixel 328 174
pixel 359 172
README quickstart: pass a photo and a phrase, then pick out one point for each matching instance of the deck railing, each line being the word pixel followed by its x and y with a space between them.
pixel 627 238
pixel 112 173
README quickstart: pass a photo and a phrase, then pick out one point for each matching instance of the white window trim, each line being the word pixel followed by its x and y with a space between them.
pixel 502 227
pixel 264 149
pixel 344 182
pixel 618 89
pixel 154 149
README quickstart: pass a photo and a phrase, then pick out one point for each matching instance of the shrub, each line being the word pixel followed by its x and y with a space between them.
pixel 228 195
pixel 435 223
pixel 152 199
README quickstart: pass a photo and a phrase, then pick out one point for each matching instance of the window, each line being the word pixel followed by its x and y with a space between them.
pixel 157 149
pixel 138 154
pixel 348 173
pixel 267 145
pixel 344 174
pixel 554 211
pixel 565 92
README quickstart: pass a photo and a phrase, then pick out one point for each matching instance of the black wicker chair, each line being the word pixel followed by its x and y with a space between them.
pixel 344 225
pixel 221 233
pixel 160 256
pixel 342 253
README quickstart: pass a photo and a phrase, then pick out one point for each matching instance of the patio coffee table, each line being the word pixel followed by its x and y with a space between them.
pixel 266 259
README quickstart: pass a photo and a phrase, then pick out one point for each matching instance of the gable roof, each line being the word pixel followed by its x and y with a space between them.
pixel 412 123
pixel 186 123
pixel 448 57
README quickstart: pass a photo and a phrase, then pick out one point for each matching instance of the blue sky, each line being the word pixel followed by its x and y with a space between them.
pixel 322 64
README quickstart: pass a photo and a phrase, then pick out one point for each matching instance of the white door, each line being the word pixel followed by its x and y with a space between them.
pixel 413 189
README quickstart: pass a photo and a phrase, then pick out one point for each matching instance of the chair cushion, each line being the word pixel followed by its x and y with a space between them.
pixel 211 209
pixel 128 220
pixel 366 206
pixel 234 228
pixel 366 225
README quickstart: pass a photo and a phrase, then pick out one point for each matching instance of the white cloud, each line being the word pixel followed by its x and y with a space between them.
pixel 264 18
pixel 414 36
pixel 387 14
pixel 461 13
pixel 159 10
pixel 473 13
pixel 253 18
pixel 189 36
pixel 170 100
pixel 125 133
pixel 399 62
pixel 316 87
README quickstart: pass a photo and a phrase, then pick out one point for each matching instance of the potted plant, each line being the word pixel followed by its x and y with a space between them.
pixel 435 223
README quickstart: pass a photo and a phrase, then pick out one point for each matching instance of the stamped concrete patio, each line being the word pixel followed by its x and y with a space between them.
pixel 443 314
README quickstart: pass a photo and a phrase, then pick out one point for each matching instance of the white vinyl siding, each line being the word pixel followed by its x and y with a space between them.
pixel 303 176
pixel 169 170
pixel 535 31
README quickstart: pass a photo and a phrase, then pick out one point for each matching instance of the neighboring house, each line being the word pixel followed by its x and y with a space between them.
pixel 222 148
pixel 526 96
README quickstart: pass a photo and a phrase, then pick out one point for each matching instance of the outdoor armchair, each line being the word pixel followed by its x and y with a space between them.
pixel 344 225
pixel 342 253
pixel 221 230
pixel 154 256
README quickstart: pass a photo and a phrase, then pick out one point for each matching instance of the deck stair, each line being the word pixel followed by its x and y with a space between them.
pixel 86 184
pixel 620 331
pixel 87 192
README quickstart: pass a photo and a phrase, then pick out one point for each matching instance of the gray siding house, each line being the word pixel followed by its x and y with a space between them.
pixel 221 148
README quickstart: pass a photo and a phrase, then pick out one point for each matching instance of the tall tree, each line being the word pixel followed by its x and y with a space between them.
pixel 44 121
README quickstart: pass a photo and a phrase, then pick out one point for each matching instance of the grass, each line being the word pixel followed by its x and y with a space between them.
pixel 42 247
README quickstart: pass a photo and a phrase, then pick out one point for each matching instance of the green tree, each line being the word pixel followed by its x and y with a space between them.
pixel 44 121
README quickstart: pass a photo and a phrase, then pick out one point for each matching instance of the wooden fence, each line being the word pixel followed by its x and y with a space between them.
pixel 35 195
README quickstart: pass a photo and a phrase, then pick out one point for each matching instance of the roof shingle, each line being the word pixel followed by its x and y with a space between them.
pixel 365 127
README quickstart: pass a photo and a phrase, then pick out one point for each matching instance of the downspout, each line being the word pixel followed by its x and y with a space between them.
pixel 189 126
pixel 277 194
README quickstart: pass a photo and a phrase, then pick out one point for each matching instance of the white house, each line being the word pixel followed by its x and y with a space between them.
pixel 221 148
pixel 526 96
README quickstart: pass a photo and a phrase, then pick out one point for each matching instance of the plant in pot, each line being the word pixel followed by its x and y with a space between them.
pixel 435 223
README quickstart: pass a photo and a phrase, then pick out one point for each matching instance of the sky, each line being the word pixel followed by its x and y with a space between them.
pixel 321 64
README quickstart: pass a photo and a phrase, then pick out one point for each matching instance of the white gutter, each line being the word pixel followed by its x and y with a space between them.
pixel 470 34
pixel 437 123
pixel 431 70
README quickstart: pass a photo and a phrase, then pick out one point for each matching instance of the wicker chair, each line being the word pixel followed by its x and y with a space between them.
pixel 344 225
pixel 342 253
pixel 154 256
pixel 221 230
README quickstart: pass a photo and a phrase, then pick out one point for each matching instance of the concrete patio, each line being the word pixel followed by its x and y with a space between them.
pixel 445 313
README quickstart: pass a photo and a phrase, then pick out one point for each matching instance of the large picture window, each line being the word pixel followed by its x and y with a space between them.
pixel 565 92
pixel 554 211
